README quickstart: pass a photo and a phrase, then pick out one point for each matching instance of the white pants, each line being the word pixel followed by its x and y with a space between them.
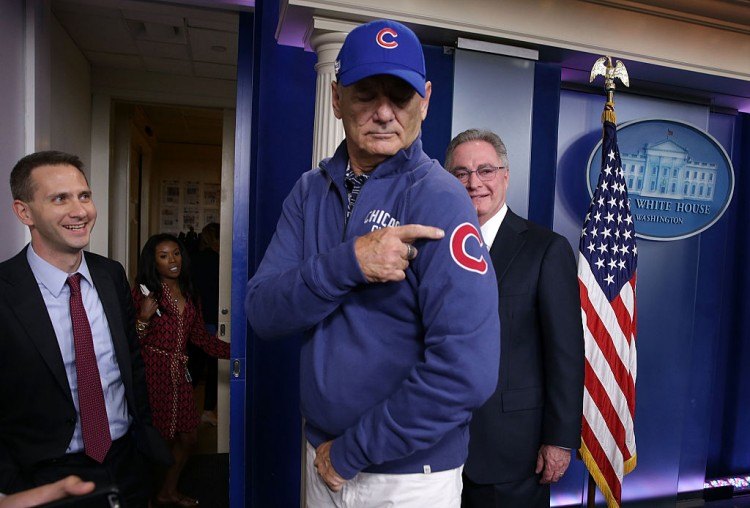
pixel 370 490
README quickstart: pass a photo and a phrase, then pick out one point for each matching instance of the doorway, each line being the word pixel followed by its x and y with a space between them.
pixel 170 167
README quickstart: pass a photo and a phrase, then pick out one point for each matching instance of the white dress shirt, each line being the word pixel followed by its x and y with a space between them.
pixel 56 294
pixel 490 228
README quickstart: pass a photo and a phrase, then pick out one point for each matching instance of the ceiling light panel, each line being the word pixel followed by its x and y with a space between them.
pixel 202 41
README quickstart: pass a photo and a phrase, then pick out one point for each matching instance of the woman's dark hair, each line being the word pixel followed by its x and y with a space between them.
pixel 147 273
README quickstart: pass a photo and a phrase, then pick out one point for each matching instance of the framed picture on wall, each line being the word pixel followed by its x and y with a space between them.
pixel 169 221
pixel 210 215
pixel 170 192
pixel 192 193
pixel 190 217
pixel 211 194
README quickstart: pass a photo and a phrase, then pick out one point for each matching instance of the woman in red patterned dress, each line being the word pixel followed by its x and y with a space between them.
pixel 167 319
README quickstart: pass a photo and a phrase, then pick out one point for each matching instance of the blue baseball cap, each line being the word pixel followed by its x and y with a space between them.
pixel 381 47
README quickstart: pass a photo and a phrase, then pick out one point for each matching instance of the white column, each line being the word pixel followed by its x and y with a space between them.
pixel 325 37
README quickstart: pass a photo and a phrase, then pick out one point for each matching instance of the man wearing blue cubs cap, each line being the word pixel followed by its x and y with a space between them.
pixel 382 47
pixel 378 262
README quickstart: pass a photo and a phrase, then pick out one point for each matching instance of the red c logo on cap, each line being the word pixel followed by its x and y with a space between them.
pixel 458 249
pixel 380 38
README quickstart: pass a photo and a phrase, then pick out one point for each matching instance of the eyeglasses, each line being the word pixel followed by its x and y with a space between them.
pixel 485 173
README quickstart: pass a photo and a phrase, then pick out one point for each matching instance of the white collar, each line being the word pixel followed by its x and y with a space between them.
pixel 490 228
pixel 52 277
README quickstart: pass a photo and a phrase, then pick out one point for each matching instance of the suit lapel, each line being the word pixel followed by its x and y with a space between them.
pixel 508 242
pixel 107 291
pixel 27 303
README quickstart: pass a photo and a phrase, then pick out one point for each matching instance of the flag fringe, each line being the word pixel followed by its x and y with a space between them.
pixel 629 465
pixel 598 477
pixel 608 115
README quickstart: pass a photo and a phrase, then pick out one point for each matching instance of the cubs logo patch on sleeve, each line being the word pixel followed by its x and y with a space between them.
pixel 461 256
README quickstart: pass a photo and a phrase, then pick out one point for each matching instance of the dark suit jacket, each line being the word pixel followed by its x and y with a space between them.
pixel 539 397
pixel 37 416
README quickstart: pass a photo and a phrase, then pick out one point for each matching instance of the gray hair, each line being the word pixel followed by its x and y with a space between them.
pixel 477 135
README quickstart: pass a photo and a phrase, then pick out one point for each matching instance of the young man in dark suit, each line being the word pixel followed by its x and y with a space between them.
pixel 72 388
pixel 521 439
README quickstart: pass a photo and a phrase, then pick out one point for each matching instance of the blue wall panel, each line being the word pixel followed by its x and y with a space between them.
pixel 284 95
pixel 436 129
pixel 713 293
pixel 729 448
pixel 544 143
pixel 738 416
pixel 238 452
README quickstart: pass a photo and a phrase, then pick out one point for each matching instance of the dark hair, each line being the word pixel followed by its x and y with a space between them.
pixel 147 273
pixel 209 235
pixel 21 185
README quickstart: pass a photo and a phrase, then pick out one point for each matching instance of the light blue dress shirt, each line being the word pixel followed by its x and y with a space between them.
pixel 56 294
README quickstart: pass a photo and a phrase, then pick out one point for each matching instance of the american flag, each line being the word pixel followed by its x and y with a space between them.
pixel 606 276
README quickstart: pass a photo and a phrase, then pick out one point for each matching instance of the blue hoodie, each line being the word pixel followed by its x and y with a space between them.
pixel 389 371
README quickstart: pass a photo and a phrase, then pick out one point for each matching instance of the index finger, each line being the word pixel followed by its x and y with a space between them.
pixel 410 232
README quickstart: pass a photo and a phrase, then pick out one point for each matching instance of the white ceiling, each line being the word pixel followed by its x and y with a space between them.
pixel 727 14
pixel 153 36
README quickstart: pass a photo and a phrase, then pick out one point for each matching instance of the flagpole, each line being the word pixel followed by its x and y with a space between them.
pixel 591 494
pixel 604 67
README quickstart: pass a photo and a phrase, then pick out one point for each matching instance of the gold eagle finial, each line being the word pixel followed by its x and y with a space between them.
pixel 603 67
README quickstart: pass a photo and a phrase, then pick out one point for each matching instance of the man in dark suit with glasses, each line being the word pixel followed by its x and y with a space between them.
pixel 521 439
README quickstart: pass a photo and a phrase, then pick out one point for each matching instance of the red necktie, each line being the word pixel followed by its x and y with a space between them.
pixel 94 422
